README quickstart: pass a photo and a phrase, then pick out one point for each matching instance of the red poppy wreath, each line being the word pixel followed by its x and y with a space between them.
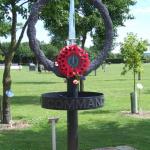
pixel 72 61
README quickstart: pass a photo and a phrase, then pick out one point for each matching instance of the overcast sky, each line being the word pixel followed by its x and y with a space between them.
pixel 140 25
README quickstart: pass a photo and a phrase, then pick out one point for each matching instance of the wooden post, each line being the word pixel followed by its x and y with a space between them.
pixel 72 117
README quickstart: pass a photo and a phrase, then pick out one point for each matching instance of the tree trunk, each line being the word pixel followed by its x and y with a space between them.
pixel 6 116
pixel 83 41
pixel 95 72
pixel 81 80
pixel 134 82
pixel 81 85
pixel 0 108
pixel 6 75
pixel 139 75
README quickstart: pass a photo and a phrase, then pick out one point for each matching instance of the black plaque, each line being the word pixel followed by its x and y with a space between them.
pixel 61 101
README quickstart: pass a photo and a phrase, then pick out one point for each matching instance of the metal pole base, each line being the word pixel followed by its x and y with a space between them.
pixel 72 123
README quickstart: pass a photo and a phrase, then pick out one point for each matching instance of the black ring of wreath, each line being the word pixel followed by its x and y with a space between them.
pixel 50 65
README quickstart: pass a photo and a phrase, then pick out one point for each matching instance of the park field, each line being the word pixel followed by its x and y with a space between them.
pixel 102 127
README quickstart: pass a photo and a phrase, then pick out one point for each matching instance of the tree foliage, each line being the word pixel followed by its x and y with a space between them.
pixel 25 54
pixel 119 12
pixel 50 51
pixel 132 52
pixel 4 28
pixel 24 50
pixel 88 19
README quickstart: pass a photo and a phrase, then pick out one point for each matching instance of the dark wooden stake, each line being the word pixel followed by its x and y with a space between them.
pixel 139 75
pixel 81 85
pixel 72 118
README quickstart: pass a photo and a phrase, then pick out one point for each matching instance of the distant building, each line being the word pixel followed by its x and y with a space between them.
pixel 147 53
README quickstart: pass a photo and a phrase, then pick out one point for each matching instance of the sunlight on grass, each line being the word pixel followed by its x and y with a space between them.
pixel 97 128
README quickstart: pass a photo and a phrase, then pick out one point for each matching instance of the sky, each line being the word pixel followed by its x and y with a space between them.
pixel 140 26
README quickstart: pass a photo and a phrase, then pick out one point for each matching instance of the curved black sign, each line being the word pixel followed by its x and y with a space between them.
pixel 60 101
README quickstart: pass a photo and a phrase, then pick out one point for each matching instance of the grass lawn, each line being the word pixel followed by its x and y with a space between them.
pixel 101 127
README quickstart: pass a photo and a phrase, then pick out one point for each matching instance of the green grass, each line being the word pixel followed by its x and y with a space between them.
pixel 97 128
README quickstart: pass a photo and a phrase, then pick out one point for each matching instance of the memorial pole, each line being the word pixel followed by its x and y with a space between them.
pixel 72 89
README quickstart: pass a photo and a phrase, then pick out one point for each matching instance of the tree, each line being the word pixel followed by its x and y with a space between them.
pixel 56 15
pixel 120 12
pixel 10 10
pixel 24 53
pixel 132 52
pixel 49 50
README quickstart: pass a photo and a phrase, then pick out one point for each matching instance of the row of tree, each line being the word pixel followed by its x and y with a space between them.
pixel 24 54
